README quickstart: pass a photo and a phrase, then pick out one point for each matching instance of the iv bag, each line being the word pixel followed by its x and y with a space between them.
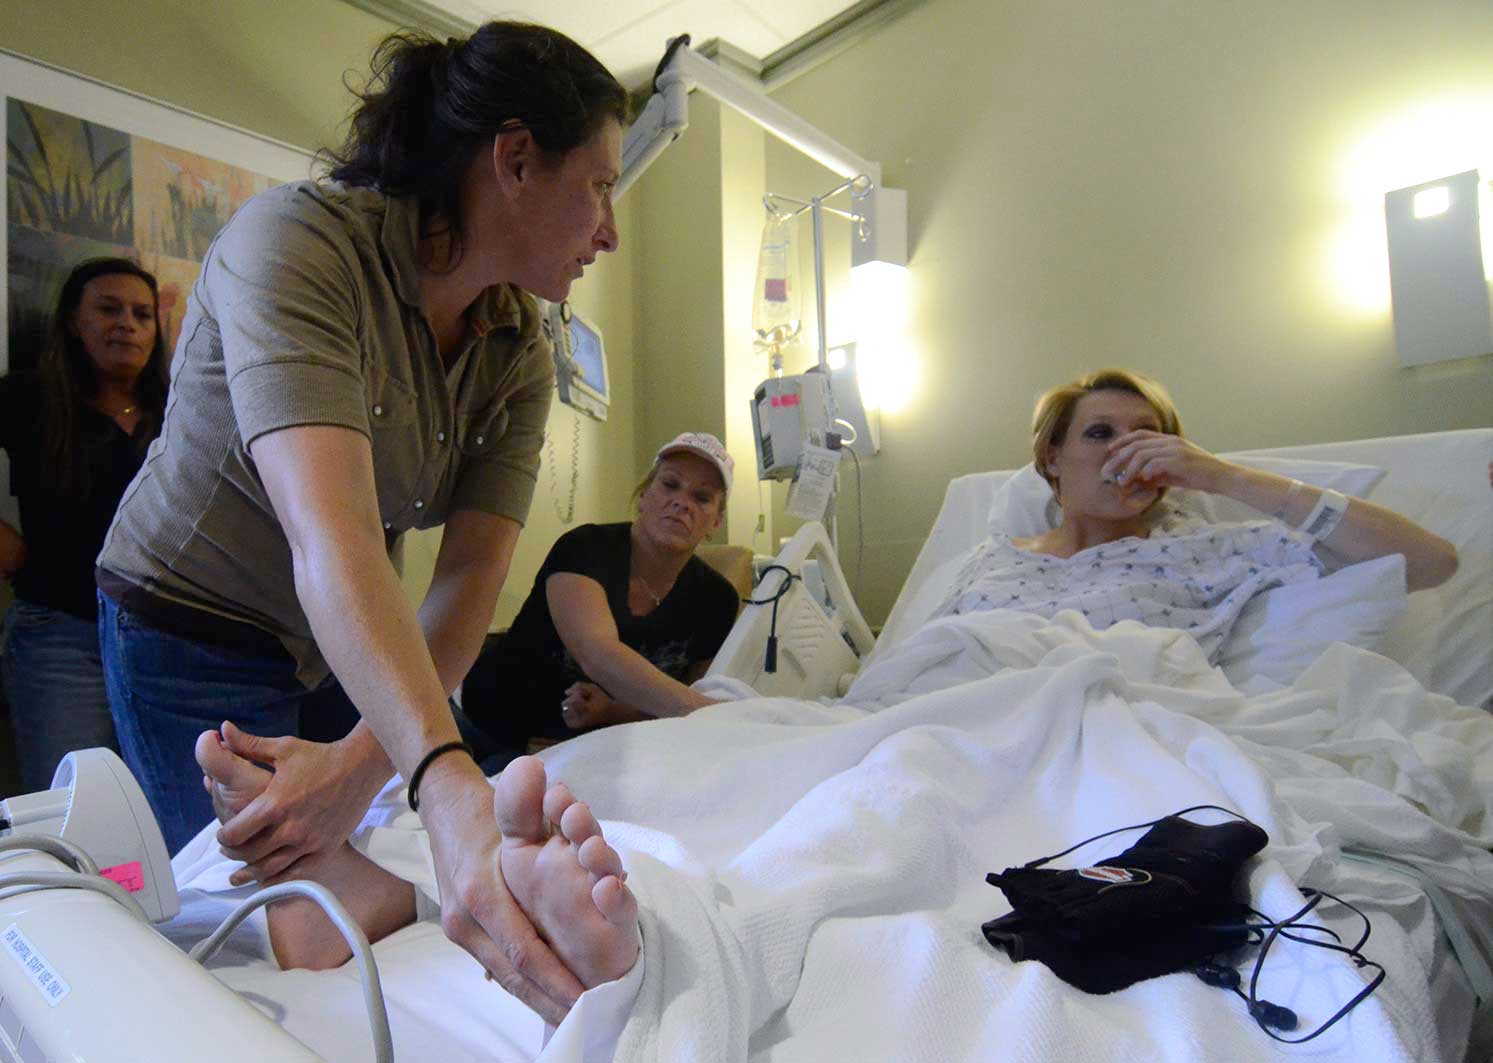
pixel 776 313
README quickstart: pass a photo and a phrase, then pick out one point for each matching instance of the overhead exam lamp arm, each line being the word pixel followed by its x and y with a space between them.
pixel 667 116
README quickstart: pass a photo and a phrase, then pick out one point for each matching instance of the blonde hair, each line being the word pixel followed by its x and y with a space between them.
pixel 1054 412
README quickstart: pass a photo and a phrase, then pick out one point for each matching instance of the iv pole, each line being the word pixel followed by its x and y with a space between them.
pixel 882 236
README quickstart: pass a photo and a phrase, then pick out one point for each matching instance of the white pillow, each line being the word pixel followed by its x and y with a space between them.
pixel 1023 506
pixel 1281 632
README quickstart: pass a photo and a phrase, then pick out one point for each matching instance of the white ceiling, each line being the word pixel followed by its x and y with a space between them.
pixel 629 36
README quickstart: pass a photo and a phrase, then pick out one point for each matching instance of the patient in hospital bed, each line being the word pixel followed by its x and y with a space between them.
pixel 1110 445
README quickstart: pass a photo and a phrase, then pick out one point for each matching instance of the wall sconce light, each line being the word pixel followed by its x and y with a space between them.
pixel 1437 280
pixel 853 407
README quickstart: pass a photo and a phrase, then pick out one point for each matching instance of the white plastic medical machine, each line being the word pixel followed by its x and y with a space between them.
pixel 84 976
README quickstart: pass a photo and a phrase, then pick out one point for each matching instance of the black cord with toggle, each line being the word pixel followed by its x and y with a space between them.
pixel 770 662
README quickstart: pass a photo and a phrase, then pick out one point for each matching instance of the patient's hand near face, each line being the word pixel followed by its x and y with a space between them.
pixel 554 860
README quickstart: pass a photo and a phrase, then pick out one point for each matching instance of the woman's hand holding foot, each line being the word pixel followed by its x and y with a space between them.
pixel 477 910
pixel 312 803
pixel 301 935
pixel 564 875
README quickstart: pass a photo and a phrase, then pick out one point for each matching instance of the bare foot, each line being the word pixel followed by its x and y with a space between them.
pixel 301 935
pixel 231 780
pixel 564 875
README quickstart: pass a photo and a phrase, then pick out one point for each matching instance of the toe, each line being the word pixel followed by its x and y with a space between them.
pixel 518 799
pixel 223 765
pixel 208 748
pixel 616 902
pixel 599 858
pixel 557 799
pixel 578 823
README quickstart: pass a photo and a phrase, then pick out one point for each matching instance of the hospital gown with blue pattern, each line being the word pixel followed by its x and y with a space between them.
pixel 1189 575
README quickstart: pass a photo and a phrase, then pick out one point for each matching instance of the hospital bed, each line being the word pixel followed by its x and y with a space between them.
pixel 811 870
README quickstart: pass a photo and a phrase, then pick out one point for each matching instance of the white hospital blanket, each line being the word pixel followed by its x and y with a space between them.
pixel 813 876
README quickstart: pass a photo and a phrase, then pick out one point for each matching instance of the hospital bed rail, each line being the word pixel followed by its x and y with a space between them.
pixel 822 637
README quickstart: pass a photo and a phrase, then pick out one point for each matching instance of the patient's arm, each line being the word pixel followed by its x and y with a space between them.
pixel 579 608
pixel 1366 530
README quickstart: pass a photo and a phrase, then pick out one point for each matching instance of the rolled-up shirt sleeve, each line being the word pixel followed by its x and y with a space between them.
pixel 279 286
pixel 502 480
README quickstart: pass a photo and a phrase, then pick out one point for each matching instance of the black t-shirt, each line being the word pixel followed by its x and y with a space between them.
pixel 63 533
pixel 516 688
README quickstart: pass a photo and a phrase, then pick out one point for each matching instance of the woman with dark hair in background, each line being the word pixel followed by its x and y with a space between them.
pixel 360 357
pixel 76 430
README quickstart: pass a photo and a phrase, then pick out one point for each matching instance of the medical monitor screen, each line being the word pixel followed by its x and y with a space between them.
pixel 587 357
pixel 580 361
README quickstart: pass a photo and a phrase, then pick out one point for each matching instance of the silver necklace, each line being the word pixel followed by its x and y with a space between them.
pixel 657 601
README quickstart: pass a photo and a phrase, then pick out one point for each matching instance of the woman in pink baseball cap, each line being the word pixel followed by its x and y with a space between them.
pixel 622 616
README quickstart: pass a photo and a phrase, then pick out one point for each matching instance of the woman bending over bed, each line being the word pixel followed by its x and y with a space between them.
pixel 621 617
pixel 1110 444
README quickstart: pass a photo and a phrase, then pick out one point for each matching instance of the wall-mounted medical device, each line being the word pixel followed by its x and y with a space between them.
pixel 580 361
pixel 789 412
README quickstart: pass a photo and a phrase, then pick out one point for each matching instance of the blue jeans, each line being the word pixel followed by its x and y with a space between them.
pixel 166 690
pixel 54 683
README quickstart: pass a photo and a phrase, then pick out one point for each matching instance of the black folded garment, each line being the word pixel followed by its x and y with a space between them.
pixel 1162 905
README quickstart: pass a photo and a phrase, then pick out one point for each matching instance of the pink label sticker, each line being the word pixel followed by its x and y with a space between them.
pixel 131 876
pixel 785 400
pixel 1115 875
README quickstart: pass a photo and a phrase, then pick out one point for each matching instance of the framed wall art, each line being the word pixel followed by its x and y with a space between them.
pixel 95 170
pixel 92 170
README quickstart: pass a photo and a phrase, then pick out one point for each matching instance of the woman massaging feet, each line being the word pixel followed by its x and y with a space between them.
pixel 553 858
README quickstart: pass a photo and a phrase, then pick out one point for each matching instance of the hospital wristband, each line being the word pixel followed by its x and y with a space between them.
pixel 1285 505
pixel 1325 516
pixel 426 761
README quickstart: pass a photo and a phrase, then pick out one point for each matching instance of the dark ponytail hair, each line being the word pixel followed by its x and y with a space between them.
pixel 429 107
pixel 69 378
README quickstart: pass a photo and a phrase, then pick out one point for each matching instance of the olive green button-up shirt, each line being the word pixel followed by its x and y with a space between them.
pixel 307 312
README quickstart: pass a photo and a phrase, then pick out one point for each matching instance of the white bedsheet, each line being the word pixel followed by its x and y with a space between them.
pixel 813 876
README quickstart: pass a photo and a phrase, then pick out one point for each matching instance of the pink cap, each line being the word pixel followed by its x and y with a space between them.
pixel 706 446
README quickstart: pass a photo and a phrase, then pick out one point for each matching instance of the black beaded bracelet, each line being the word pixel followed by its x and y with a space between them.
pixel 425 762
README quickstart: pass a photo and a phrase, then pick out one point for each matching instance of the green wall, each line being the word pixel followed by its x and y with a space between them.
pixel 1194 190
pixel 273 67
